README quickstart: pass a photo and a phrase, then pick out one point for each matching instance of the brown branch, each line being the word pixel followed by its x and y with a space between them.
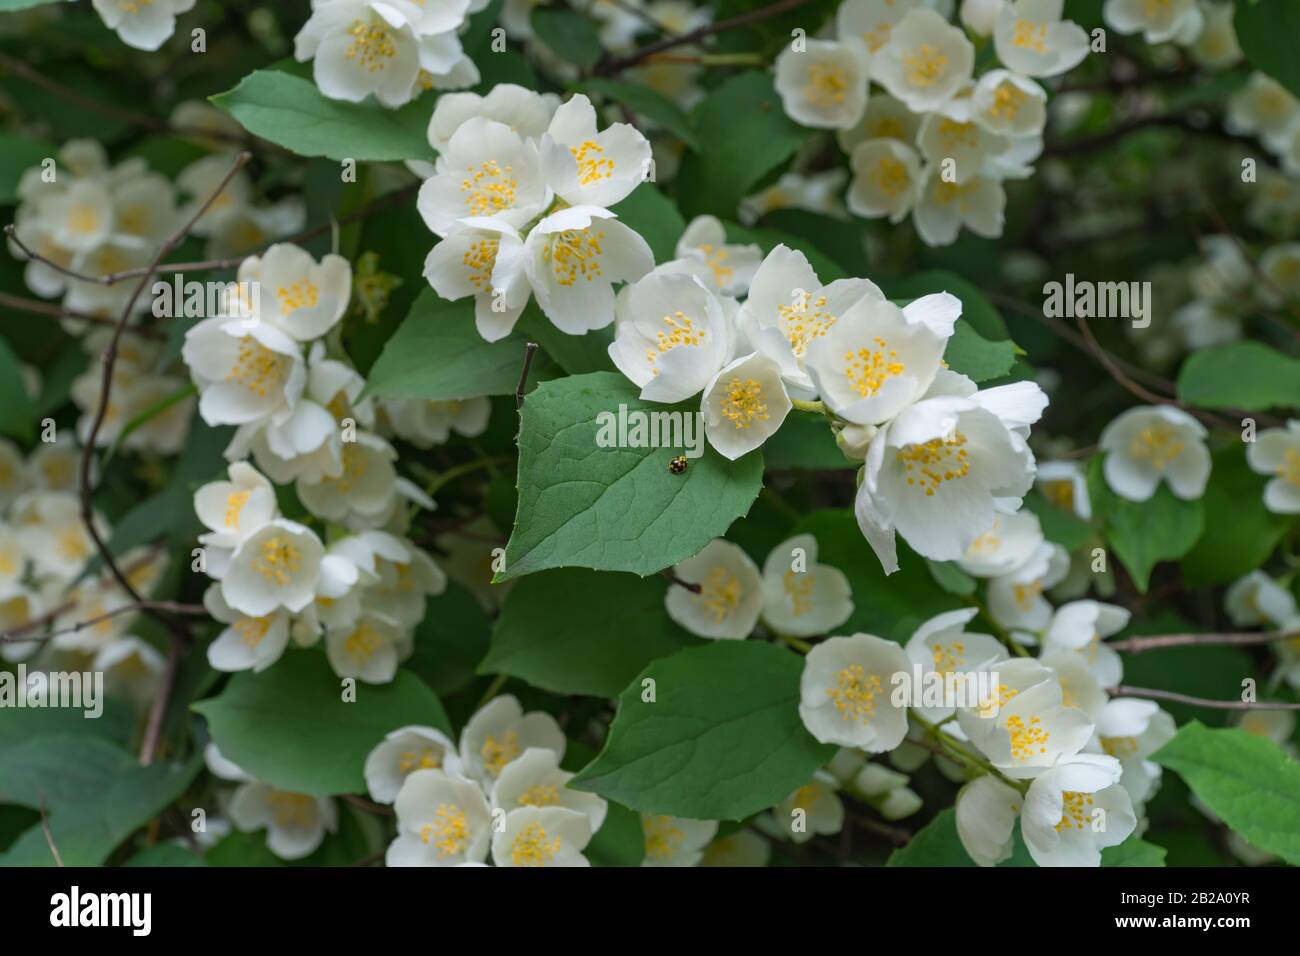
pixel 896 835
pixel 1123 690
pixel 19 635
pixel 674 579
pixel 361 803
pixel 36 307
pixel 617 65
pixel 1139 645
pixel 49 836
pixel 529 351
pixel 158 709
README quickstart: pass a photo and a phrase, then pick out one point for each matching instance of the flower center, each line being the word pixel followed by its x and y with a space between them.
pixel 256 367
pixel 798 588
pixel 720 593
pixel 714 256
pixel 1030 35
pixel 1074 810
pixel 496 754
pixel 827 84
pixel 854 693
pixel 532 847
pixel 743 403
pixel 891 176
pixel 479 259
pixel 574 253
pixel 948 659
pixel 372 45
pixel 1290 470
pixel 925 65
pixel 662 837
pixel 489 189
pixel 1007 100
pixel 449 831
pixel 1027 738
pixel 929 464
pixel 235 502
pixel 251 630
pixel 1158 444
pixel 292 809
pixel 302 293
pixel 363 642
pixel 278 561
pixel 868 369
pixel 593 165
pixel 804 321
pixel 541 795
pixel 426 759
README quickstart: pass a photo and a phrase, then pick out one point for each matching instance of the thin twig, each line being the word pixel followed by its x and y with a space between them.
pixel 49 836
pixel 19 635
pixel 529 351
pixel 1139 645
pixel 36 307
pixel 158 709
pixel 674 579
pixel 361 803
pixel 1124 690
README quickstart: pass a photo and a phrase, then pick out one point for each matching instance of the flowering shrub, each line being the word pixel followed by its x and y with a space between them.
pixel 634 432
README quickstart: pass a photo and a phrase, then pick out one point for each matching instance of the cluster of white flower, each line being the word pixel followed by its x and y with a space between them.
pixel 295 823
pixel 520 197
pixel 142 25
pixel 393 49
pixel 300 416
pixel 45 551
pixel 1258 600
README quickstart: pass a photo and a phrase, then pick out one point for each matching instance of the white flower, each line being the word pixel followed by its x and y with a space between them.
pixel 442 820
pixel 144 26
pixel 1276 452
pixel 589 168
pixel 536 780
pixel 824 85
pixel 925 61
pixel 232 510
pixel 247 643
pixel 952 137
pixel 365 487
pixel 1080 627
pixel 938 471
pixel 368 651
pixel 1075 810
pixel 870 21
pixel 1131 730
pixel 132 669
pixel 1064 484
pixel 886 178
pixel 1257 599
pixel 886 117
pixel 524 111
pixel 675 841
pixel 980 16
pixel 542 836
pixel 55 536
pixel 295 823
pixel 744 405
pixel 943 208
pixel 1031 38
pixel 1028 728
pixel 482 257
pixel 244 373
pixel 15 477
pixel 426 424
pixel 671 338
pixel 1079 687
pixel 789 309
pixel 816 192
pixel 1154 443
pixel 943 646
pixel 986 817
pixel 1178 20
pixel 812 810
pixel 404 751
pixel 1216 46
pixel 278 565
pixel 744 848
pixel 360 47
pixel 300 297
pixel 573 257
pixel 1007 545
pixel 487 170
pixel 730 268
pixel 730 596
pixel 802 598
pixel 1264 107
pixel 845 693
pixel 1006 103
pixel 1016 598
pixel 499 732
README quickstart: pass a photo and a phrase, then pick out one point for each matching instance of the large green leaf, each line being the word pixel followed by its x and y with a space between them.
pixel 721 740
pixel 17 155
pixel 438 354
pixel 1133 852
pixel 1144 533
pixel 569 35
pixel 1245 779
pixel 1244 375
pixel 290 727
pixel 574 631
pixel 1266 30
pixel 292 112
pixel 17 412
pixel 1228 549
pixel 935 844
pixel 748 134
pixel 976 357
pixel 614 509
pixel 450 641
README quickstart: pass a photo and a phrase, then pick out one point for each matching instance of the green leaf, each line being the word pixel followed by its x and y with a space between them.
pixel 619 841
pixel 1266 31
pixel 614 509
pixel 647 103
pixel 951 578
pixel 450 641
pixel 975 308
pixel 1144 533
pixel 8 5
pixel 1244 375
pixel 827 269
pixel 1226 550
pixel 976 357
pixel 17 412
pixel 289 726
pixel 574 631
pixel 1133 852
pixel 17 155
pixel 575 354
pixel 1245 779
pixel 570 36
pixel 935 844
pixel 655 218
pixel 1059 526
pixel 292 112
pixel 165 855
pixel 721 740
pixel 438 354
pixel 749 136
pixel 804 442
pixel 890 607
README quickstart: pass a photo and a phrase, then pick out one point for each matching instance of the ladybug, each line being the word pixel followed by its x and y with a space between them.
pixel 678 465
